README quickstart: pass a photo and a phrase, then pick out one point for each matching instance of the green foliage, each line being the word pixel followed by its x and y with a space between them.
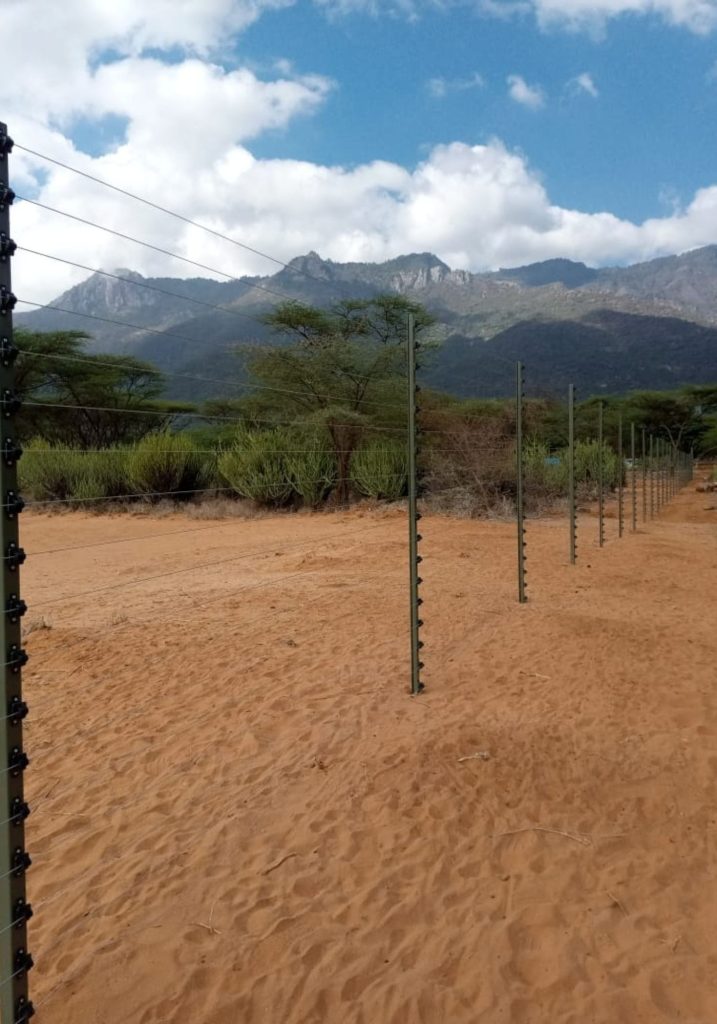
pixel 54 472
pixel 310 466
pixel 167 463
pixel 380 470
pixel 256 467
pixel 588 457
pixel 542 471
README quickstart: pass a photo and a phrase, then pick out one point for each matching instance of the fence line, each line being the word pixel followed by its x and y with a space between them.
pixel 665 467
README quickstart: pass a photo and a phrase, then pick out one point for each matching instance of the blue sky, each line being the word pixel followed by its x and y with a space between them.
pixel 650 133
pixel 491 132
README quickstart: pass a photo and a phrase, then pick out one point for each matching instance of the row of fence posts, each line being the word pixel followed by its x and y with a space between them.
pixel 664 469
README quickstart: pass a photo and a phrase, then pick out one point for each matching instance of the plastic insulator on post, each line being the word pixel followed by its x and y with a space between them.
pixel 18 761
pixel 8 248
pixel 8 301
pixel 14 556
pixel 19 811
pixel 11 452
pixel 17 657
pixel 7 196
pixel 8 352
pixel 6 144
pixel 24 1011
pixel 17 710
pixel 21 861
pixel 14 504
pixel 15 608
pixel 21 912
pixel 10 403
pixel 23 962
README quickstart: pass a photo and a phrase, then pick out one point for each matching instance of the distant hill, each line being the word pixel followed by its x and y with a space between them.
pixel 653 324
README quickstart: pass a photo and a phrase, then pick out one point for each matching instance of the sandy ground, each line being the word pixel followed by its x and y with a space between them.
pixel 240 816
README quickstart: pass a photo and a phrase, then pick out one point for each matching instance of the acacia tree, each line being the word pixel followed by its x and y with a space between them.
pixel 343 370
pixel 85 400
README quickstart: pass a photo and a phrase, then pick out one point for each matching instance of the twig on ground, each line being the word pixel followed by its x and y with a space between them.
pixel 273 867
pixel 618 902
pixel 480 755
pixel 209 927
pixel 584 840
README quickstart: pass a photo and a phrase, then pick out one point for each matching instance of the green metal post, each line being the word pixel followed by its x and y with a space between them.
pixel 15 961
pixel 572 508
pixel 413 513
pixel 644 476
pixel 522 597
pixel 633 476
pixel 601 476
pixel 652 477
pixel 620 471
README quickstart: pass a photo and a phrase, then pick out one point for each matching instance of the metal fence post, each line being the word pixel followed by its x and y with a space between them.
pixel 601 477
pixel 644 475
pixel 633 476
pixel 652 477
pixel 15 961
pixel 572 509
pixel 414 515
pixel 620 471
pixel 520 518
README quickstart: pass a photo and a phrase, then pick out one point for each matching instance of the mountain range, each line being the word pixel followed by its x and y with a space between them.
pixel 610 330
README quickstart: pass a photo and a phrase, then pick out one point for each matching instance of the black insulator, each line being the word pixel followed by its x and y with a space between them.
pixel 19 811
pixel 8 248
pixel 420 645
pixel 15 608
pixel 14 504
pixel 419 622
pixel 14 556
pixel 11 452
pixel 10 402
pixel 23 962
pixel 21 861
pixel 419 558
pixel 17 657
pixel 17 761
pixel 24 1011
pixel 421 665
pixel 6 143
pixel 419 536
pixel 8 301
pixel 21 912
pixel 419 515
pixel 8 351
pixel 17 709
pixel 7 196
pixel 419 600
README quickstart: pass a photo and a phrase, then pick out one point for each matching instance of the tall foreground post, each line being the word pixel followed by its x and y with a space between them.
pixel 413 514
pixel 620 471
pixel 15 961
pixel 643 461
pixel 652 477
pixel 633 477
pixel 520 514
pixel 572 510
pixel 601 476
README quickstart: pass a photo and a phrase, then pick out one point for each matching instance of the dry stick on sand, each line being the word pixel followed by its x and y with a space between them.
pixel 288 856
pixel 209 927
pixel 579 837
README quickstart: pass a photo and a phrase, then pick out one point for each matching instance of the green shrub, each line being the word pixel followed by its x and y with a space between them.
pixel 541 472
pixel 57 473
pixel 588 457
pixel 256 467
pixel 165 463
pixel 380 470
pixel 310 466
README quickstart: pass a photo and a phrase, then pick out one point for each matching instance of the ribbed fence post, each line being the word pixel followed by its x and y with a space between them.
pixel 572 507
pixel 414 515
pixel 601 476
pixel 520 512
pixel 652 477
pixel 633 476
pixel 620 471
pixel 643 466
pixel 15 961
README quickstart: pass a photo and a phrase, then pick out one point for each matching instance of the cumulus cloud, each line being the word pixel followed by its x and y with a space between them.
pixel 440 87
pixel 187 122
pixel 531 96
pixel 584 83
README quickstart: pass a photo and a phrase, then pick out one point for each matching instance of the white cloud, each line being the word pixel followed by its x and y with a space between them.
pixel 187 123
pixel 440 87
pixel 531 96
pixel 584 83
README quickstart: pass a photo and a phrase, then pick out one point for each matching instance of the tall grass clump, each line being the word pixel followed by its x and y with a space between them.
pixel 588 457
pixel 542 472
pixel 310 467
pixel 168 464
pixel 57 473
pixel 256 467
pixel 380 470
